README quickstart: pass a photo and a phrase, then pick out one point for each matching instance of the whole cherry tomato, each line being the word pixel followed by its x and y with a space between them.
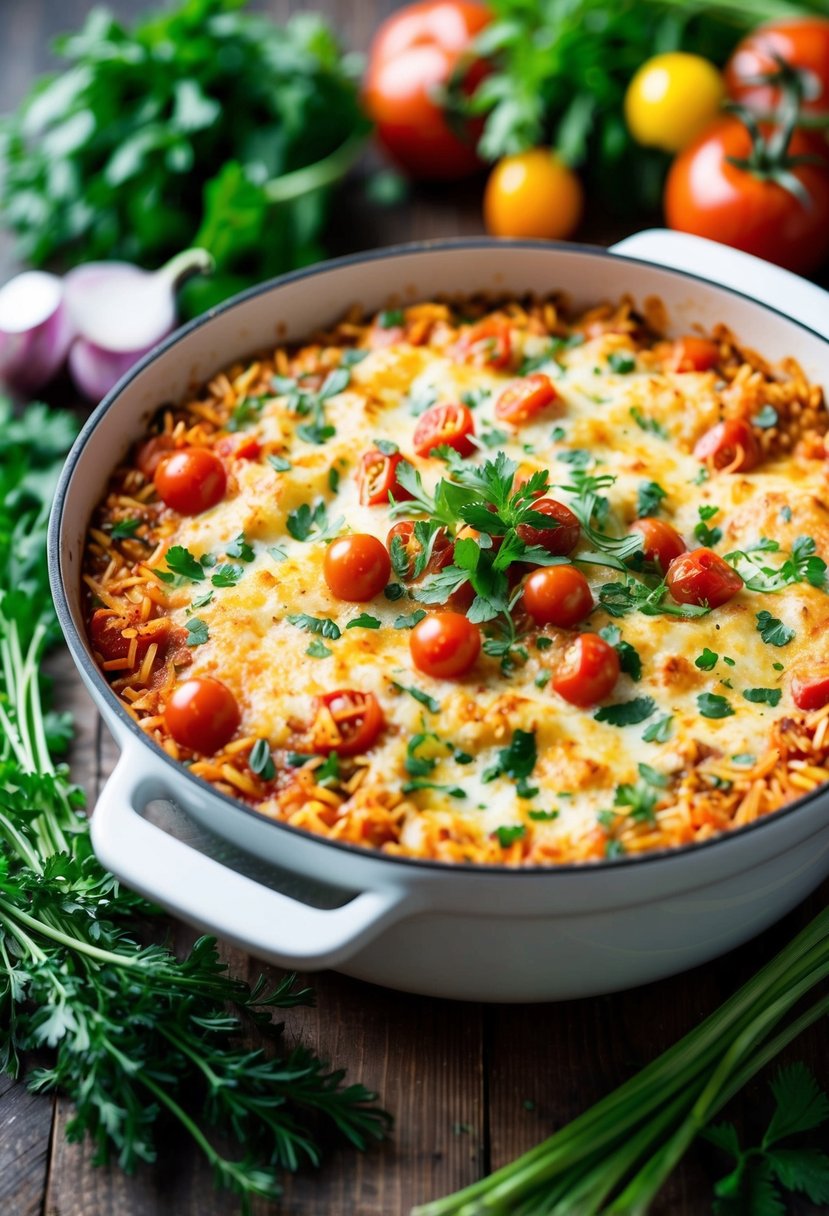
pixel 445 645
pixel 563 534
pixel 557 595
pixel 730 445
pixel 378 478
pixel 802 43
pixel 202 714
pixel 356 567
pixel 671 99
pixel 533 194
pixel 702 577
pixel 191 480
pixel 662 543
pixel 347 722
pixel 521 401
pixel 810 688
pixel 709 195
pixel 691 354
pixel 587 672
pixel 415 54
pixel 449 426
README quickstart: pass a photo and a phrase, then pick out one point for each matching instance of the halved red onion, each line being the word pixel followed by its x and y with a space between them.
pixel 35 330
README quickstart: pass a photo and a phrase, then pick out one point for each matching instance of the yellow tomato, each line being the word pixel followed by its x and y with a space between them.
pixel 533 194
pixel 672 99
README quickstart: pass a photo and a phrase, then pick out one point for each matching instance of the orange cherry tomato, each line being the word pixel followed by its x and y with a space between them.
pixel 106 632
pixel 561 537
pixel 240 447
pixel 191 480
pixel 347 722
pixel 691 354
pixel 533 194
pixel 445 426
pixel 415 54
pixel 445 645
pixel 521 401
pixel 202 714
pixel 803 43
pixel 356 567
pixel 557 595
pixel 587 672
pixel 810 689
pixel 730 445
pixel 152 452
pixel 702 577
pixel 378 478
pixel 488 343
pixel 662 543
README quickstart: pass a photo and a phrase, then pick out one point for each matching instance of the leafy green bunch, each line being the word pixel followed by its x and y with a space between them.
pixel 136 1035
pixel 202 125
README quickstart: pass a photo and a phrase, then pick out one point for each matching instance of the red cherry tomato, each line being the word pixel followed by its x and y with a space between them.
pixel 202 714
pixel 445 645
pixel 662 543
pixel 802 43
pixel 692 354
pixel 240 447
pixel 442 555
pixel 106 631
pixel 191 480
pixel 378 478
pixel 521 401
pixel 708 195
pixel 445 426
pixel 563 534
pixel 702 577
pixel 414 55
pixel 356 567
pixel 810 689
pixel 347 722
pixel 557 595
pixel 152 452
pixel 730 445
pixel 588 671
pixel 488 343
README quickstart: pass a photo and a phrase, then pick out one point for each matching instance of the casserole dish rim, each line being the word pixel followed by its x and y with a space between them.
pixel 79 646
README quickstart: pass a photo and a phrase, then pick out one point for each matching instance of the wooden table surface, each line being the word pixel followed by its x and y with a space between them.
pixel 470 1086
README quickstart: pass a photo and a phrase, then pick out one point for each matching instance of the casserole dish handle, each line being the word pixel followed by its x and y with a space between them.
pixel 787 293
pixel 214 896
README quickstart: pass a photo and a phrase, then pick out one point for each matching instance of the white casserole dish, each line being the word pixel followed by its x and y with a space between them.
pixel 470 932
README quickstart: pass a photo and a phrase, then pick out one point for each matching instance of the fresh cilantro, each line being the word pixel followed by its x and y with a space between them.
pixel 227 575
pixel 241 549
pixel 260 760
pixel 182 564
pixel 490 439
pixel 423 697
pixel 280 463
pixel 659 731
pixel 363 621
pixel 318 650
pixel 197 633
pixel 543 643
pixel 315 624
pixel 516 761
pixel 390 318
pixel 508 835
pixel 763 696
pixel 651 426
pixel 772 630
pixel 705 535
pixel 706 661
pixel 629 660
pixel 765 418
pixel 712 705
pixel 649 498
pixel 626 713
pixel 329 771
pixel 621 362
pixel 409 622
pixel 124 529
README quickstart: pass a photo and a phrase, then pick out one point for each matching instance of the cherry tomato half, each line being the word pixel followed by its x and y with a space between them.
pixel 802 43
pixel 151 452
pixel 445 426
pixel 588 671
pixel 442 555
pixel 356 567
pixel 240 447
pixel 702 577
pixel 730 445
pixel 662 543
pixel 202 714
pixel 810 689
pixel 106 631
pixel 488 343
pixel 557 595
pixel 533 194
pixel 347 722
pixel 414 55
pixel 191 480
pixel 563 534
pixel 692 354
pixel 521 401
pixel 378 478
pixel 445 645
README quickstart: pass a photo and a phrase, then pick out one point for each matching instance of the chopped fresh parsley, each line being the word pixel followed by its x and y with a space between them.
pixel 508 835
pixel 280 463
pixel 315 624
pixel 246 412
pixel 201 601
pixel 516 761
pixel 763 696
pixel 302 523
pixel 227 575
pixel 746 758
pixel 394 591
pixel 409 622
pixel 618 599
pixel 197 633
pixel 124 529
pixel 712 705
pixel 349 358
pixel 801 566
pixel 364 621
pixel 649 498
pixel 542 679
pixel 430 703
pixel 642 796
pixel 543 816
pixel 651 426
pixel 621 362
pixel 772 630
pixel 579 458
pixel 765 418
pixel 308 404
pixel 277 553
pixel 318 650
pixel 241 549
pixel 706 661
pixel 626 713
pixel 333 479
pixel 181 564
pixel 260 760
pixel 629 660
pixel 705 535
pixel 658 731
pixel 454 791
pixel 390 318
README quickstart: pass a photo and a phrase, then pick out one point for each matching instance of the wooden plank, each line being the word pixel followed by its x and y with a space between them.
pixel 25 1120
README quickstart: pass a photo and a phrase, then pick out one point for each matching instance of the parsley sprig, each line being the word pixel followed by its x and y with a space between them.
pixel 802 565
pixel 307 403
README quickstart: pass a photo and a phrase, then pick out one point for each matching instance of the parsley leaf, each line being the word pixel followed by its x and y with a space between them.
pixel 706 661
pixel 280 463
pixel 626 713
pixel 364 621
pixel 621 361
pixel 318 650
pixel 182 563
pixel 409 622
pixel 315 624
pixel 508 835
pixel 765 418
pixel 302 522
pixel 241 549
pixel 629 660
pixel 763 696
pixel 423 697
pixel 227 575
pixel 659 731
pixel 620 598
pixel 649 498
pixel 124 529
pixel 516 761
pixel 712 705
pixel 705 535
pixel 772 630
pixel 650 425
pixel 197 633
pixel 390 318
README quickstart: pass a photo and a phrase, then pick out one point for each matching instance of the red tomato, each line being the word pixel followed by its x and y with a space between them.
pixel 241 447
pixel 563 534
pixel 707 195
pixel 106 631
pixel 152 452
pixel 662 543
pixel 347 722
pixel 202 714
pixel 191 480
pixel 588 671
pixel 802 42
pixel 414 55
pixel 378 478
pixel 730 445
pixel 557 595
pixel 445 645
pixel 521 401
pixel 702 577
pixel 692 354
pixel 442 555
pixel 810 689
pixel 356 567
pixel 487 343
pixel 445 425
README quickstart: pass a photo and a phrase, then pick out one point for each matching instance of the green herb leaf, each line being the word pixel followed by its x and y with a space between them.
pixel 659 731
pixel 124 529
pixel 626 713
pixel 280 463
pixel 315 624
pixel 509 834
pixel 409 622
pixel 772 630
pixel 318 650
pixel 765 418
pixel 763 696
pixel 364 621
pixel 182 563
pixel 197 633
pixel 706 661
pixel 649 498
pixel 390 318
pixel 621 362
pixel 260 760
pixel 227 575
pixel 712 705
pixel 431 704
pixel 241 549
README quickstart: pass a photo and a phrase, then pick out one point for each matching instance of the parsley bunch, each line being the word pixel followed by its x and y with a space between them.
pixel 134 1035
